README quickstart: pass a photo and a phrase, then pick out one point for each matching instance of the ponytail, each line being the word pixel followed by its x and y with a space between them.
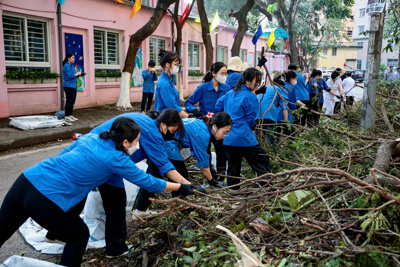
pixel 249 75
pixel 289 75
pixel 221 119
pixel 167 57
pixel 214 68
pixel 69 55
pixel 121 129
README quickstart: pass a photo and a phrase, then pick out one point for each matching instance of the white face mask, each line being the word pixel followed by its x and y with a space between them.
pixel 174 70
pixel 294 82
pixel 133 149
pixel 221 78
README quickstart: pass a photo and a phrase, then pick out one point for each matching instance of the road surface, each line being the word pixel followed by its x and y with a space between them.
pixel 11 166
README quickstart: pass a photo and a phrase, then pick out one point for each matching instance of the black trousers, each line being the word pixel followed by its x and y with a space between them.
pixel 70 94
pixel 143 199
pixel 149 98
pixel 220 152
pixel 270 133
pixel 337 107
pixel 349 101
pixel 314 104
pixel 254 155
pixel 24 201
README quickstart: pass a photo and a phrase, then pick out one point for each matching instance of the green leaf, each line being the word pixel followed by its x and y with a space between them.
pixel 191 249
pixel 283 262
pixel 293 202
pixel 276 218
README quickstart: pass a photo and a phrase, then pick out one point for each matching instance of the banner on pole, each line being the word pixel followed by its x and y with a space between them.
pixel 375 6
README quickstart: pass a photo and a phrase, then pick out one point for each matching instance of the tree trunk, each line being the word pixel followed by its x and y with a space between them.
pixel 205 34
pixel 178 42
pixel 241 17
pixel 134 43
pixel 294 54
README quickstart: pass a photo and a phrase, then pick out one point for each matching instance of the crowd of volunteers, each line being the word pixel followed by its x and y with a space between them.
pixel 222 113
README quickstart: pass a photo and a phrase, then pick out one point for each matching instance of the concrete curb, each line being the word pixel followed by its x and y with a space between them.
pixel 34 139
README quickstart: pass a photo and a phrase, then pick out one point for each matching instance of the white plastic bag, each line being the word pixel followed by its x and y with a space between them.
pixel 18 261
pixel 35 122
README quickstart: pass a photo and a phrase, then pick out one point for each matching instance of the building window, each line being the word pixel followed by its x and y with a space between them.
pixel 221 53
pixel 143 2
pixel 194 57
pixel 325 52
pixel 25 42
pixel 359 64
pixel 106 50
pixel 360 29
pixel 392 62
pixel 361 44
pixel 362 12
pixel 243 55
pixel 156 44
pixel 323 68
pixel 334 51
pixel 349 31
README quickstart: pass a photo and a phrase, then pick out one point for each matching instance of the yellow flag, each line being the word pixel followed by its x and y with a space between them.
pixel 216 21
pixel 120 1
pixel 136 7
pixel 271 39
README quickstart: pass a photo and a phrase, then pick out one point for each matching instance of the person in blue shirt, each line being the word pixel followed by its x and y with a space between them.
pixel 167 96
pixel 149 77
pixel 302 95
pixel 197 138
pixel 70 76
pixel 156 129
pixel 235 68
pixel 270 101
pixel 242 105
pixel 316 87
pixel 47 191
pixel 285 110
pixel 207 94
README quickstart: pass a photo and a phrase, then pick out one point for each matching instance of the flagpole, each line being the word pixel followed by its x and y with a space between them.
pixel 60 51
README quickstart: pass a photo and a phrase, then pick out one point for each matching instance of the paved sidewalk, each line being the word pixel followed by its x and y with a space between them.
pixel 88 119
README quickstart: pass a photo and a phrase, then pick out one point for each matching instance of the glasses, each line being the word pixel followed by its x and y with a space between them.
pixel 225 133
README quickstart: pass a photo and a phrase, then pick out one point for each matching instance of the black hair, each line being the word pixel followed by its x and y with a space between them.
pixel 214 68
pixel 278 81
pixel 168 57
pixel 249 75
pixel 335 74
pixel 168 116
pixel 66 58
pixel 339 69
pixel 289 75
pixel 348 74
pixel 292 67
pixel 390 67
pixel 121 129
pixel 221 119
pixel 152 63
pixel 316 73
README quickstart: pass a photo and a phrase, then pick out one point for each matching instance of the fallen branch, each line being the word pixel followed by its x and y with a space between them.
pixel 172 200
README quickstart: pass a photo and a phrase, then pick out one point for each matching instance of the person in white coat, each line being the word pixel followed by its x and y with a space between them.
pixel 349 84
pixel 335 84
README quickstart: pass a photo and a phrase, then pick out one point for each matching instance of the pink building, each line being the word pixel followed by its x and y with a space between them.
pixel 101 30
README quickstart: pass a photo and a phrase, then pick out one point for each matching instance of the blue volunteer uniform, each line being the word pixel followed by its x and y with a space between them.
pixel 301 88
pixel 166 94
pixel 266 103
pixel 233 79
pixel 197 137
pixel 151 144
pixel 312 90
pixel 148 81
pixel 86 164
pixel 69 72
pixel 289 97
pixel 207 97
pixel 242 106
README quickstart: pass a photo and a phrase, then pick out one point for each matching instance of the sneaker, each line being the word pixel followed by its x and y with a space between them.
pixel 55 241
pixel 74 118
pixel 130 248
pixel 143 112
pixel 69 119
pixel 143 214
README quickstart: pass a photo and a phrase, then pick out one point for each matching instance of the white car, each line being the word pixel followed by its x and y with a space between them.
pixel 326 74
